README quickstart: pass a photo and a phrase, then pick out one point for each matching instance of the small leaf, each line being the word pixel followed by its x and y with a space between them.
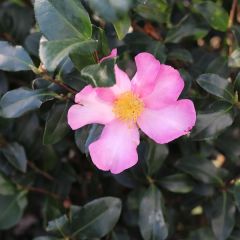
pixel 201 169
pixel 63 19
pixel 53 52
pixel 56 125
pixel 16 156
pixel 101 75
pixel 17 102
pixel 14 58
pixel 6 187
pixel 216 15
pixel 178 183
pixel 11 209
pixel 217 86
pixel 222 216
pixel 151 217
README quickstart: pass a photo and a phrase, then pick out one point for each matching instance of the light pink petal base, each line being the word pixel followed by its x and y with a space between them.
pixel 167 89
pixel 90 109
pixel 116 149
pixel 123 84
pixel 166 124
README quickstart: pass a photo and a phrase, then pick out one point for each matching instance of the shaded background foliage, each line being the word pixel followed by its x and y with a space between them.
pixel 49 189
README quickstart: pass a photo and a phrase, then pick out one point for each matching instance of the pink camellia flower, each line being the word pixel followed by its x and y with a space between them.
pixel 149 102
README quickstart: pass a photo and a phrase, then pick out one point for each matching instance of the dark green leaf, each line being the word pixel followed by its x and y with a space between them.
pixel 14 58
pixel 151 217
pixel 53 52
pixel 156 10
pixel 219 66
pixel 86 135
pixel 200 169
pixel 222 216
pixel 122 26
pixel 16 156
pixel 156 155
pixel 6 187
pixel 94 220
pixel 17 102
pixel 182 55
pixel 178 183
pixel 11 209
pixel 211 124
pixel 32 43
pixel 216 16
pixel 236 193
pixel 217 86
pixel 101 74
pixel 187 27
pixel 56 125
pixel 63 19
pixel 200 234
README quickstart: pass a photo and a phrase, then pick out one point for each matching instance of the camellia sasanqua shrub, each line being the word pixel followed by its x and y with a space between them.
pixel 119 120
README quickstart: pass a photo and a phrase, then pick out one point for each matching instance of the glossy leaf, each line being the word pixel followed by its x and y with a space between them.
pixel 155 157
pixel 201 169
pixel 217 86
pixel 94 220
pixel 16 156
pixel 187 27
pixel 14 58
pixel 151 216
pixel 156 10
pixel 62 19
pixel 101 74
pixel 222 216
pixel 109 10
pixel 53 52
pixel 213 13
pixel 6 186
pixel 122 26
pixel 211 124
pixel 17 102
pixel 11 209
pixel 178 183
pixel 56 124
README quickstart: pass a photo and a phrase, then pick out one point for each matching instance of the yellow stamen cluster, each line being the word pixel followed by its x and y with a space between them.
pixel 128 107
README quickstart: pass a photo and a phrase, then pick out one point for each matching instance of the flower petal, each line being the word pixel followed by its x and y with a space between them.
pixel 89 109
pixel 123 84
pixel 147 71
pixel 116 149
pixel 168 88
pixel 113 54
pixel 168 123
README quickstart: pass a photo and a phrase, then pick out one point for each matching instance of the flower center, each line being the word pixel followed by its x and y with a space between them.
pixel 128 107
